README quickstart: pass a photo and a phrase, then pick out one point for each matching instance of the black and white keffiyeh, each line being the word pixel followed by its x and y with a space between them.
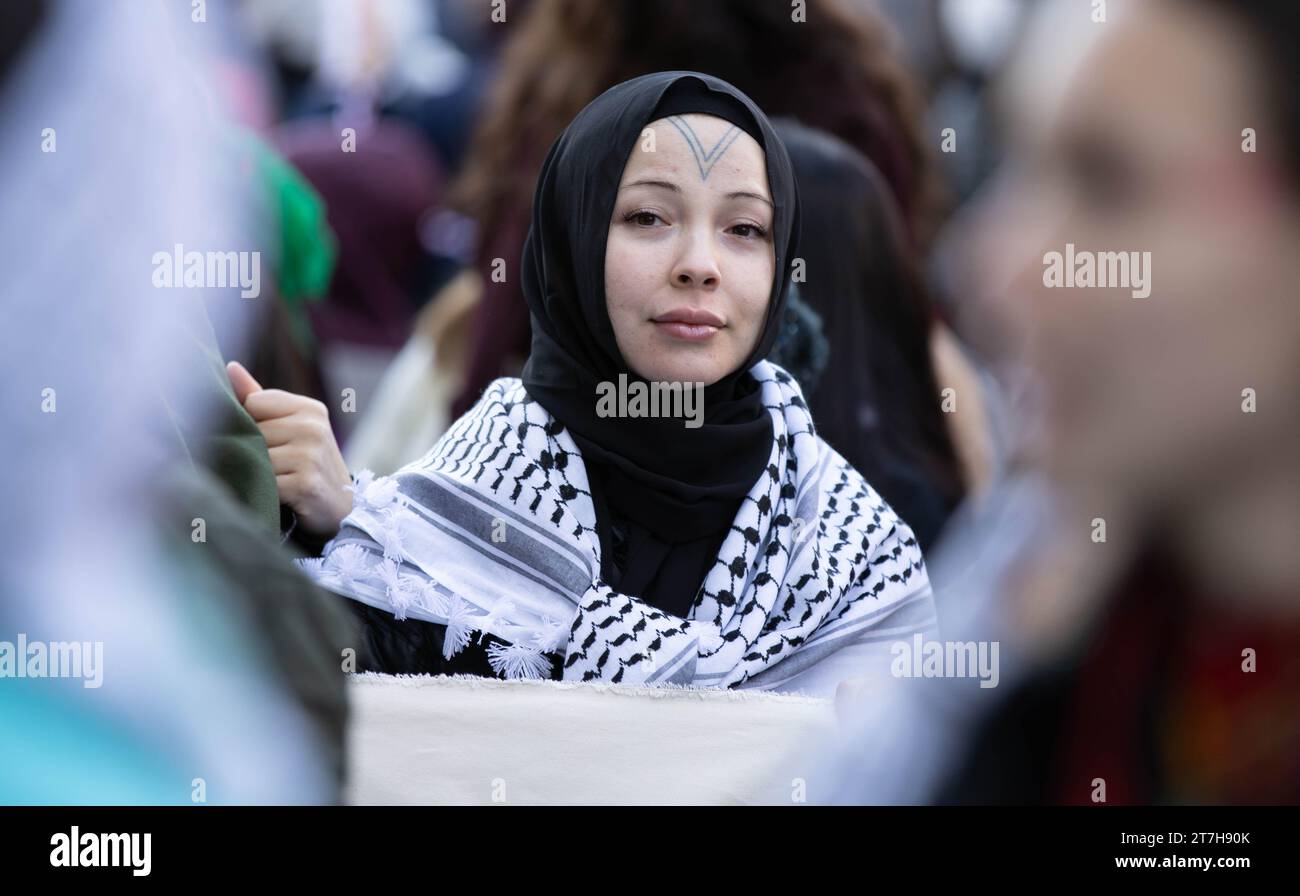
pixel 494 531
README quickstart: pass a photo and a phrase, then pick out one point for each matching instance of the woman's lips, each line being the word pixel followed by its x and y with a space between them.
pixel 689 332
pixel 689 324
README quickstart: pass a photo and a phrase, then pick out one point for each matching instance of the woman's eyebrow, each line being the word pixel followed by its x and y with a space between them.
pixel 667 185
pixel 745 194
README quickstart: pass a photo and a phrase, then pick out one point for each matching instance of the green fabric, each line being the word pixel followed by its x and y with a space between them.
pixel 231 446
pixel 233 449
pixel 307 248
pixel 239 458
pixel 251 582
pixel 228 481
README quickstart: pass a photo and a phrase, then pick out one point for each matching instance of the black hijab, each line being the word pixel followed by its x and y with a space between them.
pixel 665 495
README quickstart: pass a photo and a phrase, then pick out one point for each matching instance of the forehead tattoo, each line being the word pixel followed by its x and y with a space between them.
pixel 704 159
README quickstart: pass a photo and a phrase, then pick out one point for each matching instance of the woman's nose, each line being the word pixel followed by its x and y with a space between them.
pixel 696 266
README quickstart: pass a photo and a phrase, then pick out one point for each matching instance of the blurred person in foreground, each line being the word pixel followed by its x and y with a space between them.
pixel 138 543
pixel 1147 599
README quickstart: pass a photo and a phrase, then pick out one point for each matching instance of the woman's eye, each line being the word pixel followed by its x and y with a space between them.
pixel 642 219
pixel 749 231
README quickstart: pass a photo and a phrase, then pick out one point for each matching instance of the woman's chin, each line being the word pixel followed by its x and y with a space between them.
pixel 677 362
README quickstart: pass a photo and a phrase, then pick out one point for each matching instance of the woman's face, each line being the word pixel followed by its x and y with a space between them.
pixel 689 261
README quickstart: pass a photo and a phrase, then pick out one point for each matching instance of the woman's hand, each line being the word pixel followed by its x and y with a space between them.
pixel 309 470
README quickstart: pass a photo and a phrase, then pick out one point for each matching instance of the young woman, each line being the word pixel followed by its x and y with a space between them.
pixel 731 548
pixel 839 71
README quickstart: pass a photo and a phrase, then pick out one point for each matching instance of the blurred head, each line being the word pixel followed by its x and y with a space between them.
pixel 1145 154
pixel 689 259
